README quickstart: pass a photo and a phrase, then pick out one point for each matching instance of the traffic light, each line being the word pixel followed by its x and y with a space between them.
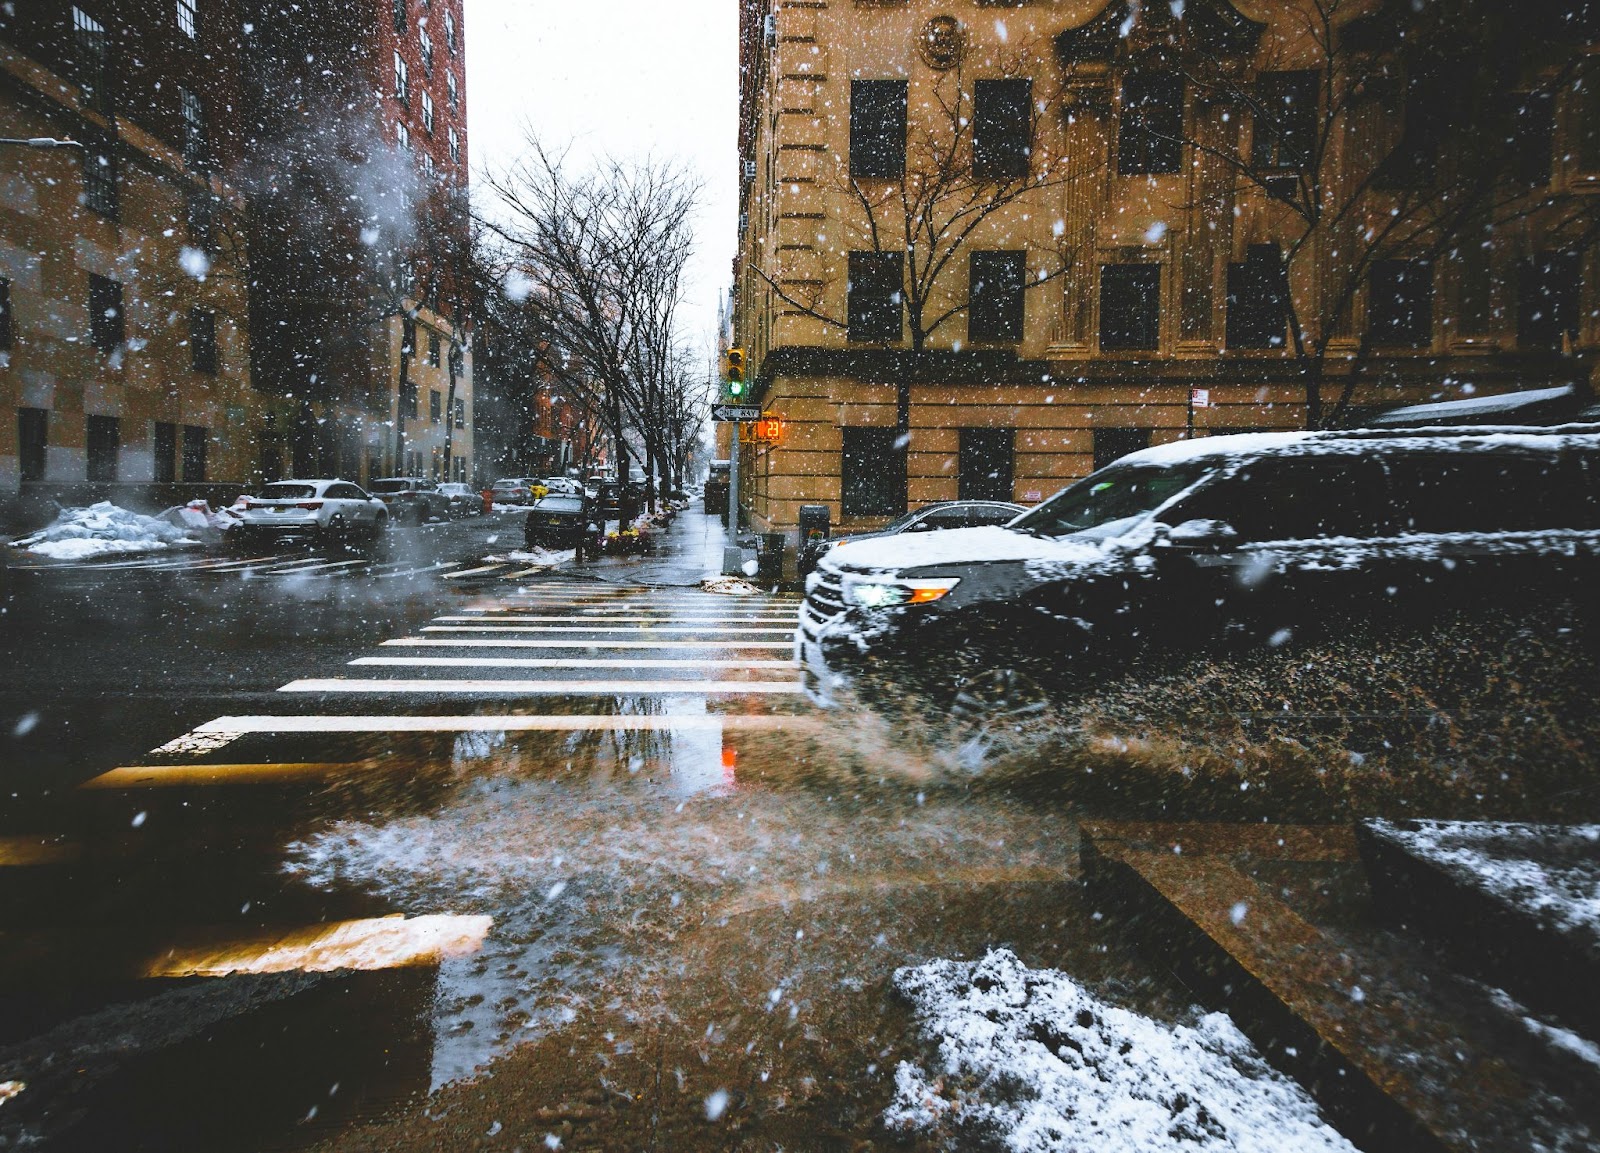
pixel 733 371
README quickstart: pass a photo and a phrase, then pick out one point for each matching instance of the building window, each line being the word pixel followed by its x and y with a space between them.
pixel 1130 307
pixel 203 340
pixel 104 438
pixel 450 32
pixel 986 463
pixel 453 94
pixel 1002 128
pixel 202 220
pixel 402 80
pixel 1400 303
pixel 874 295
pixel 1258 300
pixel 461 413
pixel 872 476
pixel 92 58
pixel 195 150
pixel 427 50
pixel 1415 158
pixel 33 425
pixel 427 165
pixel 188 18
pixel 165 452
pixel 433 349
pixel 435 406
pixel 399 16
pixel 877 129
pixel 455 144
pixel 5 315
pixel 1150 135
pixel 1112 444
pixel 1548 285
pixel 194 452
pixel 106 327
pixel 402 136
pixel 100 177
pixel 427 112
pixel 1284 135
pixel 994 299
pixel 1532 138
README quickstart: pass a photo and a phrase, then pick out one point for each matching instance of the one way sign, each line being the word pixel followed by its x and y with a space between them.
pixel 735 412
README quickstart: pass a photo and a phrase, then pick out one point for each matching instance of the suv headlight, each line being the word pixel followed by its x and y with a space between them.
pixel 881 592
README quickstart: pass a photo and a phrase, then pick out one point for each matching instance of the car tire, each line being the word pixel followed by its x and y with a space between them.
pixel 336 534
pixel 997 714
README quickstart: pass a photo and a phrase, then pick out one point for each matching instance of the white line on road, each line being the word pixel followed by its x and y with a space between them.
pixel 473 723
pixel 537 688
pixel 663 619
pixel 521 628
pixel 574 663
pixel 450 576
pixel 515 643
pixel 414 571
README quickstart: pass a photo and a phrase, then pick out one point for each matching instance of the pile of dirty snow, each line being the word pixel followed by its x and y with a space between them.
pixel 731 585
pixel 103 529
pixel 1032 1061
pixel 542 557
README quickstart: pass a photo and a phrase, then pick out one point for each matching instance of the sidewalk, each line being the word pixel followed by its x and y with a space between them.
pixel 686 553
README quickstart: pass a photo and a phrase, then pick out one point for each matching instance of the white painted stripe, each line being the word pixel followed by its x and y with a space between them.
pixel 414 571
pixel 366 945
pixel 526 572
pixel 466 572
pixel 333 564
pixel 690 722
pixel 400 685
pixel 663 619
pixel 574 663
pixel 285 566
pixel 520 628
pixel 514 643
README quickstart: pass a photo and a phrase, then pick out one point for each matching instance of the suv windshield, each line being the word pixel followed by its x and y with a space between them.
pixel 1112 495
pixel 287 491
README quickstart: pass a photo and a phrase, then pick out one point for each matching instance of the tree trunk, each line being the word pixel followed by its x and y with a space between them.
pixel 400 412
pixel 450 416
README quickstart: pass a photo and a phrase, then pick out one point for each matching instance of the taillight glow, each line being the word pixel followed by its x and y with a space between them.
pixel 309 504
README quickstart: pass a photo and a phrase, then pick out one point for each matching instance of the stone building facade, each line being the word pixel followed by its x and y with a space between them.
pixel 989 245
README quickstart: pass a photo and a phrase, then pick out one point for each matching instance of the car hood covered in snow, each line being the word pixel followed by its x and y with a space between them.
pixel 985 545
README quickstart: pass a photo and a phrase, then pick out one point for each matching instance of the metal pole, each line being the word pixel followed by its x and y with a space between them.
pixel 1189 417
pixel 733 485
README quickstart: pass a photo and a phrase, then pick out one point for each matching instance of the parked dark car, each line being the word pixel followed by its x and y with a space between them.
pixel 716 491
pixel 942 514
pixel 464 500
pixel 411 499
pixel 1248 539
pixel 559 520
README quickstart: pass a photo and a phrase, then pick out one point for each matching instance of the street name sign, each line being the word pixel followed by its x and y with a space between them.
pixel 735 412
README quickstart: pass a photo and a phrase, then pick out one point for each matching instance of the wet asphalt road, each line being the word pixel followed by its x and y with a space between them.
pixel 424 853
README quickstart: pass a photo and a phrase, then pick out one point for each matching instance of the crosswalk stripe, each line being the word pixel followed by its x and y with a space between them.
pixel 435 567
pixel 325 565
pixel 161 776
pixel 536 688
pixel 525 628
pixel 518 643
pixel 526 572
pixel 368 944
pixel 664 619
pixel 479 723
pixel 37 849
pixel 450 576
pixel 572 663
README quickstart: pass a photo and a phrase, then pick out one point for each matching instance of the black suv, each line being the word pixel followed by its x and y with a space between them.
pixel 1251 538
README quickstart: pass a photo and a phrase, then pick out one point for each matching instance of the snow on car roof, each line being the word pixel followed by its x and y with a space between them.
pixel 952 546
pixel 1476 438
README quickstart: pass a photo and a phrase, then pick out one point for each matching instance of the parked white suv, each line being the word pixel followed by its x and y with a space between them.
pixel 334 512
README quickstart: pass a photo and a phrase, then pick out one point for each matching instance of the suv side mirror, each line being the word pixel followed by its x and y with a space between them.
pixel 1201 534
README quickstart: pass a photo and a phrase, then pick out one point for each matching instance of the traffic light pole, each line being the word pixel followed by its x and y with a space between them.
pixel 733 485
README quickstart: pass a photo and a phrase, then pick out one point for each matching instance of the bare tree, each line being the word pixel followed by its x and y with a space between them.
pixel 954 180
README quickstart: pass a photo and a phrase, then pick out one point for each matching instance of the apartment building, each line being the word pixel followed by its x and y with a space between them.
pixel 986 246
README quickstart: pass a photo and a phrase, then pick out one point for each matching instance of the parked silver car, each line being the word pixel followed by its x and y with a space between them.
pixel 412 498
pixel 334 512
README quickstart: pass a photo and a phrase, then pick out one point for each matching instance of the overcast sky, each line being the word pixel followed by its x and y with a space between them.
pixel 624 78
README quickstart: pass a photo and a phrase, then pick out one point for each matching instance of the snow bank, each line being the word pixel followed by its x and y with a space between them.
pixel 733 586
pixel 1551 871
pixel 1032 1061
pixel 101 530
pixel 548 558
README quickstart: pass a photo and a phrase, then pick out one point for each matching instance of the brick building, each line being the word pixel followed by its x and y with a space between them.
pixel 988 245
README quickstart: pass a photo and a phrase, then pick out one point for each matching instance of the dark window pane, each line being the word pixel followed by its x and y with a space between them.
pixel 1258 300
pixel 1111 444
pixel 166 452
pixel 1130 306
pixel 1150 136
pixel 1285 131
pixel 106 329
pixel 103 440
pixel 1415 158
pixel 1533 128
pixel 1294 499
pixel 1002 128
pixel 194 452
pixel 994 304
pixel 203 340
pixel 1400 303
pixel 872 473
pixel 435 405
pixel 433 350
pixel 874 295
pixel 92 60
pixel 877 128
pixel 100 177
pixel 202 221
pixel 985 464
pixel 1479 492
pixel 1547 299
pixel 33 426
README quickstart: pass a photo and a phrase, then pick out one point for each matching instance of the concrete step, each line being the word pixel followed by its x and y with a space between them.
pixel 1273 924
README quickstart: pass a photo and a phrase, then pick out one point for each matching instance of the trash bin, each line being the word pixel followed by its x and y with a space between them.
pixel 769 557
pixel 814 529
